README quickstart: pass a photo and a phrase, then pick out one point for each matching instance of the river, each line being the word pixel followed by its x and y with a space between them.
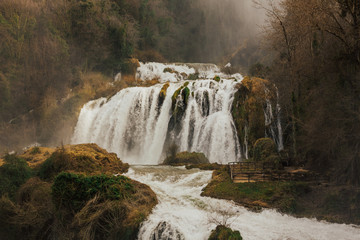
pixel 183 214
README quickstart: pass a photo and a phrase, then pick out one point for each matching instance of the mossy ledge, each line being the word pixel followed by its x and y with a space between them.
pixel 74 194
pixel 301 199
pixel 186 158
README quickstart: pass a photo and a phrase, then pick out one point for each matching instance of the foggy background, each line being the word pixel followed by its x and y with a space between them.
pixel 215 31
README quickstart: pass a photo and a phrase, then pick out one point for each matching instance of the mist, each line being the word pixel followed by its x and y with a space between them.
pixel 231 30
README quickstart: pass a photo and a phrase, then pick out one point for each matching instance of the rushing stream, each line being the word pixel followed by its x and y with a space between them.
pixel 183 214
pixel 139 123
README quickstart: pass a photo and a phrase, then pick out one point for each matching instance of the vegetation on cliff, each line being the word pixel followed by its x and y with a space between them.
pixel 57 55
pixel 250 101
pixel 303 199
pixel 316 68
pixel 186 158
pixel 77 196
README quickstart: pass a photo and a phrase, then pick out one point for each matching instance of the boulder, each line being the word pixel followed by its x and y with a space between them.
pixel 184 158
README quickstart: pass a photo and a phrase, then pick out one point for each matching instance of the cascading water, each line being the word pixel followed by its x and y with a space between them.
pixel 183 214
pixel 138 124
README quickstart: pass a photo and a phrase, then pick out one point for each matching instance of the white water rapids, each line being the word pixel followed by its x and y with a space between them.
pixel 183 214
pixel 138 125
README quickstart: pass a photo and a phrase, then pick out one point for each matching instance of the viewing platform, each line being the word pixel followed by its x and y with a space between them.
pixel 261 172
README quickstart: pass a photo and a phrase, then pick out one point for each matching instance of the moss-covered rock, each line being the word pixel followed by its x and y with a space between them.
pixel 185 158
pixel 193 76
pixel 162 94
pixel 224 233
pixel 180 100
pixel 217 78
pixel 82 158
pixel 80 203
pixel 248 107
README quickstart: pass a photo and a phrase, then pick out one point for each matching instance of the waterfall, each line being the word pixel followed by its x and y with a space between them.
pixel 140 123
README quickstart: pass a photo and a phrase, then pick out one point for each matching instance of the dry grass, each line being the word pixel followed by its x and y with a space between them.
pixel 82 158
pixel 35 158
pixel 115 219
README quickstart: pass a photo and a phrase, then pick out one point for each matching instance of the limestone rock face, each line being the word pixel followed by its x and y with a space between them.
pixel 166 232
pixel 186 158
pixel 254 111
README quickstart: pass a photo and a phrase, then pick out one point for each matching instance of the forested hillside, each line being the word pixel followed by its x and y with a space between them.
pixel 316 68
pixel 56 55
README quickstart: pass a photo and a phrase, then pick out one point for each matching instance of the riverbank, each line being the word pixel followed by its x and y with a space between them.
pixel 71 192
pixel 325 201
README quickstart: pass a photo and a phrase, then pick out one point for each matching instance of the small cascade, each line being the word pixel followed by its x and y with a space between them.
pixel 273 122
pixel 183 214
pixel 139 124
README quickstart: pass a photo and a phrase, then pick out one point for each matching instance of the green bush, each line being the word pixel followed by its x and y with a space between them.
pixel 13 174
pixel 35 150
pixel 224 233
pixel 71 191
pixel 265 151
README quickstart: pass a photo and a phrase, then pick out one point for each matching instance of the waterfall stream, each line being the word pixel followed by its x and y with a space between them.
pixel 139 124
pixel 183 214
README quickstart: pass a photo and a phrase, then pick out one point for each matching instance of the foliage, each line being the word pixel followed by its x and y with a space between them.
pixel 186 158
pixel 35 150
pixel 264 150
pixel 86 158
pixel 162 94
pixel 217 78
pixel 13 173
pixel 280 195
pixel 71 191
pixel 316 68
pixel 224 233
pixel 248 109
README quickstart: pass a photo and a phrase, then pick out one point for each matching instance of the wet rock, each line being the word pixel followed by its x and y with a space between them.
pixel 164 231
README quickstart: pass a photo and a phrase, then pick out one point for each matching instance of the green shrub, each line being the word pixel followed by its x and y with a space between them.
pixel 72 191
pixel 35 150
pixel 13 173
pixel 224 233
pixel 217 78
pixel 265 151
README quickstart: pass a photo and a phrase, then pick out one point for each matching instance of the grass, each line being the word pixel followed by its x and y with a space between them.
pixel 280 195
pixel 333 203
pixel 82 158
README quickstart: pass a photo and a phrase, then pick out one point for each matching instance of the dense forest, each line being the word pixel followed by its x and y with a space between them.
pixel 56 55
pixel 316 68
